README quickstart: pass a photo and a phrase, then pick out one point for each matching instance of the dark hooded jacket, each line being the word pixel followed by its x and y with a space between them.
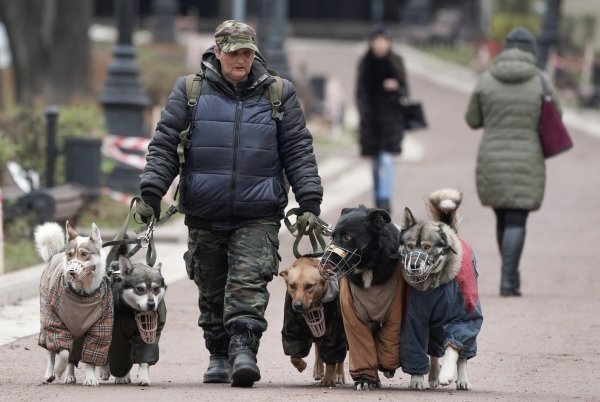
pixel 381 118
pixel 233 164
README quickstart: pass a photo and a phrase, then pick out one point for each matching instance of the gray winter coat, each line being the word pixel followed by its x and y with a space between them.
pixel 510 171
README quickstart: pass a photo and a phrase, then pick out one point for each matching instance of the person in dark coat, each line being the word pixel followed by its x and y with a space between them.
pixel 233 192
pixel 381 84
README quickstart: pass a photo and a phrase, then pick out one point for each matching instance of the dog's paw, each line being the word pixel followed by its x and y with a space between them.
pixel 299 363
pixel 463 385
pixel 328 379
pixel 417 382
pixel 49 377
pixel 434 382
pixel 462 380
pixel 143 376
pixel 318 371
pixel 105 372
pixel 90 381
pixel 340 378
pixel 365 384
pixel 447 375
pixel 327 382
pixel 70 374
pixel 126 379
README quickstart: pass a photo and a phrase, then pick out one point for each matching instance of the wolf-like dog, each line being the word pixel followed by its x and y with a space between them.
pixel 364 254
pixel 443 313
pixel 309 293
pixel 76 303
pixel 140 316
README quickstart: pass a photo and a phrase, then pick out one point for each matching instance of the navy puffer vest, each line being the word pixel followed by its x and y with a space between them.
pixel 232 169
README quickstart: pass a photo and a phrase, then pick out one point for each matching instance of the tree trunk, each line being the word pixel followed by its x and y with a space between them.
pixel 50 48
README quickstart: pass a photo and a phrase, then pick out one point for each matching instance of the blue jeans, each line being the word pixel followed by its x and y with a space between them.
pixel 383 175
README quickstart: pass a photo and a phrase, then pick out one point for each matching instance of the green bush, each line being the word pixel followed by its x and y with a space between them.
pixel 23 137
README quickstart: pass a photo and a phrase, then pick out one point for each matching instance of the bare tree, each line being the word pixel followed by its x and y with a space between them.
pixel 50 47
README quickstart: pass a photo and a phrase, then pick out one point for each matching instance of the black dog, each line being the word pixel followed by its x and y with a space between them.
pixel 364 253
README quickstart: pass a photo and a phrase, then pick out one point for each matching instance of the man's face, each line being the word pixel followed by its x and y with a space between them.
pixel 235 65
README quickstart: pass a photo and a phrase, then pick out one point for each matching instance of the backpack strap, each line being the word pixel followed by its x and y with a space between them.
pixel 275 95
pixel 193 86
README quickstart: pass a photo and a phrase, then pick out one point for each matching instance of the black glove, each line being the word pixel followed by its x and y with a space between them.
pixel 312 206
pixel 150 206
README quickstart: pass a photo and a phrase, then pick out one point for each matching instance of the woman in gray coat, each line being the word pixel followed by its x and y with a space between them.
pixel 511 172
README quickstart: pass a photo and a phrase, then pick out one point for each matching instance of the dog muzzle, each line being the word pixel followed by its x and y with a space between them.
pixel 418 265
pixel 315 319
pixel 147 323
pixel 338 262
pixel 78 271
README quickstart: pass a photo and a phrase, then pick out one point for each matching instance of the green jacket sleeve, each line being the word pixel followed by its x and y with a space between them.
pixel 474 115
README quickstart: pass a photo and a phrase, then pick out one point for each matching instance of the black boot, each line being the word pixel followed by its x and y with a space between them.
pixel 512 247
pixel 245 338
pixel 217 343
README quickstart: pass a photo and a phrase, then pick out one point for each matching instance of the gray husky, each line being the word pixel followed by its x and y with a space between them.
pixel 443 314
pixel 140 314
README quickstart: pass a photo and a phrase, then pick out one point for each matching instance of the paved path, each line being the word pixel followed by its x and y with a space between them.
pixel 543 346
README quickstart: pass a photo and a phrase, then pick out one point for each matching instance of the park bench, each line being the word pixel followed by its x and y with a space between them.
pixel 58 204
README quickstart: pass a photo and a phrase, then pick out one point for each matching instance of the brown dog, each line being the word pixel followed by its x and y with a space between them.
pixel 306 288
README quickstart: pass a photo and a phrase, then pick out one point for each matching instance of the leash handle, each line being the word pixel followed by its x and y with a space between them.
pixel 144 241
pixel 311 226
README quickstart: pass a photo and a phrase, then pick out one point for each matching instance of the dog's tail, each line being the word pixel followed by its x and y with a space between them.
pixel 442 206
pixel 49 240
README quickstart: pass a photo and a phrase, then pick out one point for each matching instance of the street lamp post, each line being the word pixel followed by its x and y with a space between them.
pixel 164 20
pixel 550 31
pixel 123 98
pixel 272 35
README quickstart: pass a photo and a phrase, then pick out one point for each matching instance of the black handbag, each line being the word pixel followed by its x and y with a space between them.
pixel 414 117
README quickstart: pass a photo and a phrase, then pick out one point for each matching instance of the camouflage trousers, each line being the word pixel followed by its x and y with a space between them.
pixel 232 270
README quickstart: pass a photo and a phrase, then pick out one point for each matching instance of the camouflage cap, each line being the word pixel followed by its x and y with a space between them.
pixel 232 35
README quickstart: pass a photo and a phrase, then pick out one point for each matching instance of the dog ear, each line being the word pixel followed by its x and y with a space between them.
pixel 408 219
pixel 378 218
pixel 284 272
pixel 158 267
pixel 71 233
pixel 125 265
pixel 345 211
pixel 95 234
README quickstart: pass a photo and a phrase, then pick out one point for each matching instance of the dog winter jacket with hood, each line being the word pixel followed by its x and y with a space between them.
pixel 449 315
pixel 127 347
pixel 81 324
pixel 372 321
pixel 297 338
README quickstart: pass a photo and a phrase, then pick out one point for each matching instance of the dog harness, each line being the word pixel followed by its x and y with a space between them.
pixel 449 315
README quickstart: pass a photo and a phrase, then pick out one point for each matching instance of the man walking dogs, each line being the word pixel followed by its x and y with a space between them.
pixel 232 191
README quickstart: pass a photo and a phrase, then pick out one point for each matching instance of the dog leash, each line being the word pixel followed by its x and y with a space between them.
pixel 309 225
pixel 143 241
